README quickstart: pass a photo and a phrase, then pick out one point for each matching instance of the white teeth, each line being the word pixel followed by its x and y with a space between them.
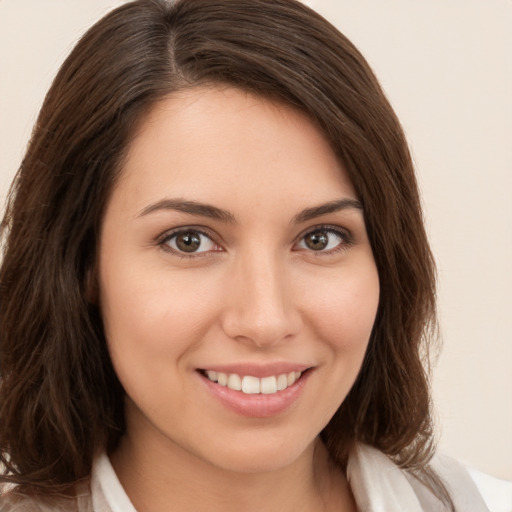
pixel 234 382
pixel 222 378
pixel 268 385
pixel 282 382
pixel 253 385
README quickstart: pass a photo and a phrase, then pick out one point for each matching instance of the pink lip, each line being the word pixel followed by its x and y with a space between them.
pixel 256 406
pixel 260 371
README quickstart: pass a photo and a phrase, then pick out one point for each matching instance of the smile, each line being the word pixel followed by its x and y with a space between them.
pixel 257 391
pixel 251 385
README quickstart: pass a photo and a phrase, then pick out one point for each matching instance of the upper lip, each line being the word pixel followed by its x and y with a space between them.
pixel 257 370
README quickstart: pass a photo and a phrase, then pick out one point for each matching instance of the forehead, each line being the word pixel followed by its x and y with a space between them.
pixel 213 143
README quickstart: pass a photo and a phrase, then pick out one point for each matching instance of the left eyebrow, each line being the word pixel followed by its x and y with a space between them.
pixel 330 207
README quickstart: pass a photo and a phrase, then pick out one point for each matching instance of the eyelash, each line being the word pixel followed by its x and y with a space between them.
pixel 345 237
pixel 164 240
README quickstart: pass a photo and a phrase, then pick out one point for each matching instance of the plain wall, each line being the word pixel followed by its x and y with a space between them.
pixel 446 66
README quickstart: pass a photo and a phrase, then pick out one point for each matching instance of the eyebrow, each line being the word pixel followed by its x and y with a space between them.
pixel 326 208
pixel 212 212
pixel 191 207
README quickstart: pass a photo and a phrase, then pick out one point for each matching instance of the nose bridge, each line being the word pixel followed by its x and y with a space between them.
pixel 261 307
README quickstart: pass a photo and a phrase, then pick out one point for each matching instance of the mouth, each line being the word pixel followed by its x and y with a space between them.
pixel 251 385
pixel 257 391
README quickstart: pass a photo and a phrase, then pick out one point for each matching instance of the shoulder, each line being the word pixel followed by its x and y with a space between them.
pixel 12 500
pixel 375 479
pixel 496 492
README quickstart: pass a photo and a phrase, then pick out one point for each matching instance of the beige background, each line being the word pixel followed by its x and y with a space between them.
pixel 447 68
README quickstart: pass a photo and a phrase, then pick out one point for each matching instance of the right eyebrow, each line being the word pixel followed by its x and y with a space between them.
pixel 191 207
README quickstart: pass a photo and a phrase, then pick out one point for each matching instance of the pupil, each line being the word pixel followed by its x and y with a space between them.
pixel 188 242
pixel 317 241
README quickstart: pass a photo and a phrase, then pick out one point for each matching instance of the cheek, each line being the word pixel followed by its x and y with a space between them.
pixel 153 324
pixel 343 312
pixel 340 316
pixel 147 314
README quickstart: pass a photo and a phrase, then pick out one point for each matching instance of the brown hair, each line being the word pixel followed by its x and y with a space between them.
pixel 60 401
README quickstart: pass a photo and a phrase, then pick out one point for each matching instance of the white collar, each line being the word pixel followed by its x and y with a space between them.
pixel 377 483
pixel 107 492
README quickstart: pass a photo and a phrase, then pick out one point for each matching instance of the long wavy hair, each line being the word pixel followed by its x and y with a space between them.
pixel 60 400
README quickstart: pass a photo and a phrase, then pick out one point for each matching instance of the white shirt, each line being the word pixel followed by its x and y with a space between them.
pixel 377 483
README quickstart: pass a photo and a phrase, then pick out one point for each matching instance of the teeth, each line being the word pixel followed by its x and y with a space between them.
pixel 268 385
pixel 253 385
pixel 212 375
pixel 222 379
pixel 234 382
pixel 282 382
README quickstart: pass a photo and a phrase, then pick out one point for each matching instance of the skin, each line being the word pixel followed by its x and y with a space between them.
pixel 253 292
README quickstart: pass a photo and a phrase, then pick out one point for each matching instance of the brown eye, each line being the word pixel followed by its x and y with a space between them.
pixel 190 241
pixel 316 241
pixel 324 240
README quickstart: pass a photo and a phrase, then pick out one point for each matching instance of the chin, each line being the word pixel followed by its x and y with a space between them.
pixel 260 457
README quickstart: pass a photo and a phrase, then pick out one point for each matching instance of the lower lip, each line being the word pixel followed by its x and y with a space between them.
pixel 260 405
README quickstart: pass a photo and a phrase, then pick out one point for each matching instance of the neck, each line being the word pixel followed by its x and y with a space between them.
pixel 190 483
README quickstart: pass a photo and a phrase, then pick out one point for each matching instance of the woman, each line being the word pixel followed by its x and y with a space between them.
pixel 216 288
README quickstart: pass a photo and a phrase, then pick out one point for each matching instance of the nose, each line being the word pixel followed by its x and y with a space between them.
pixel 262 308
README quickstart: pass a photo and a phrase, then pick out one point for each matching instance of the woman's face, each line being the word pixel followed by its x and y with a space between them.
pixel 234 255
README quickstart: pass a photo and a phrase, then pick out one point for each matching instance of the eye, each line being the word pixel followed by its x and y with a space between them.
pixel 324 240
pixel 189 241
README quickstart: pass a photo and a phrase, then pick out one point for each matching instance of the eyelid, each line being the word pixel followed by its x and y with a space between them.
pixel 343 233
pixel 162 240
